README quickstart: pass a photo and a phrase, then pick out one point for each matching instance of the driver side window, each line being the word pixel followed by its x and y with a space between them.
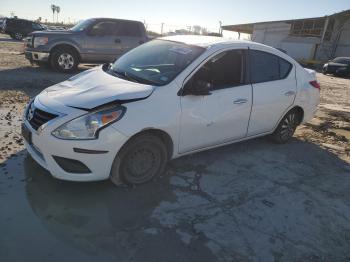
pixel 225 70
pixel 103 29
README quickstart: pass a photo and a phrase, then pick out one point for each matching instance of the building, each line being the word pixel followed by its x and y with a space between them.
pixel 309 40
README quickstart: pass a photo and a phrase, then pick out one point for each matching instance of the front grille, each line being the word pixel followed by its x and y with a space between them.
pixel 39 117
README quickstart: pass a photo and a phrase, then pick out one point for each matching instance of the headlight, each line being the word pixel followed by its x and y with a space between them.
pixel 89 125
pixel 40 40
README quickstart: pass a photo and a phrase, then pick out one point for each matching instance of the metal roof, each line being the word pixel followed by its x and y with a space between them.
pixel 249 27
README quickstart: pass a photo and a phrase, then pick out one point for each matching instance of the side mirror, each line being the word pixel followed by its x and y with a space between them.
pixel 106 66
pixel 197 88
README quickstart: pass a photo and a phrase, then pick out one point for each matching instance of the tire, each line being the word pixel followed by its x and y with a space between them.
pixel 286 128
pixel 64 60
pixel 18 36
pixel 139 161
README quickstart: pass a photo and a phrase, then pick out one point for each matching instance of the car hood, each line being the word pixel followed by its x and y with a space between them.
pixel 93 88
pixel 48 32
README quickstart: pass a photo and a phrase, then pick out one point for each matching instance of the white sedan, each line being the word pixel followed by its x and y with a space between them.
pixel 164 99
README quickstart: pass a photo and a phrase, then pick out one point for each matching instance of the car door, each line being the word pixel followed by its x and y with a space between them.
pixel 130 35
pixel 274 89
pixel 101 42
pixel 222 115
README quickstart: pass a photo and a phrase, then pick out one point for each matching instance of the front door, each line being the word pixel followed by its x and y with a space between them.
pixel 223 115
pixel 102 43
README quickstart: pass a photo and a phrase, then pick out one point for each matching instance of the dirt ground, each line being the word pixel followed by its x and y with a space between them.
pixel 251 201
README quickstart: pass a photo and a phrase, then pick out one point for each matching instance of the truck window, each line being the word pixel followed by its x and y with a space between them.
pixel 105 28
pixel 129 29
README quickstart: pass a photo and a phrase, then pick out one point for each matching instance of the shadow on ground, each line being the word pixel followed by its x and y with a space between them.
pixel 245 202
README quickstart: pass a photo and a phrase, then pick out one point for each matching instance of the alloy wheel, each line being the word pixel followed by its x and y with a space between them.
pixel 288 126
pixel 66 61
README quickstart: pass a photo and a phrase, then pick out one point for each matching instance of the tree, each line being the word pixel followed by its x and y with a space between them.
pixel 58 9
pixel 53 8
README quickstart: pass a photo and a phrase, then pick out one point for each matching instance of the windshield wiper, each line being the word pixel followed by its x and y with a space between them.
pixel 134 78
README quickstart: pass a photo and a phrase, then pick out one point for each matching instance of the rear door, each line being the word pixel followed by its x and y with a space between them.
pixel 130 34
pixel 101 42
pixel 274 89
pixel 223 115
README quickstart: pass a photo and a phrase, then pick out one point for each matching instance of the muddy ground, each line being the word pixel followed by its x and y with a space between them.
pixel 252 201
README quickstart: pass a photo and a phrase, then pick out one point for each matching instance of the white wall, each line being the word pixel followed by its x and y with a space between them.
pixel 343 48
pixel 277 35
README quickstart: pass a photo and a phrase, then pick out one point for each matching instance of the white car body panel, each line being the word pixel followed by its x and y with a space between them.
pixel 93 88
pixel 194 123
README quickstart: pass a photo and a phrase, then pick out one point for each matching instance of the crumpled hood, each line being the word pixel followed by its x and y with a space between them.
pixel 93 88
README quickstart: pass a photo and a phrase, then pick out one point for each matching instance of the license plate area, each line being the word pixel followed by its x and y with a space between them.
pixel 26 134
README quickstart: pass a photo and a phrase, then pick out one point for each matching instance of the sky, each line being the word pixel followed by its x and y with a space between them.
pixel 176 13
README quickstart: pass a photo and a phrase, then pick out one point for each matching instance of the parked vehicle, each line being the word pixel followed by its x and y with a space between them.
pixel 164 99
pixel 339 66
pixel 19 28
pixel 95 40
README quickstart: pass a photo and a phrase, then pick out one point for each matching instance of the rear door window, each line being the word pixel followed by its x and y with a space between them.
pixel 129 29
pixel 265 67
pixel 285 68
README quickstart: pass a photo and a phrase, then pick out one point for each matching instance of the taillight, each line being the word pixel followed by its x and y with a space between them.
pixel 315 84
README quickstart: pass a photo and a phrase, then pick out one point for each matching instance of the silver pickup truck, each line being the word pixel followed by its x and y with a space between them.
pixel 96 40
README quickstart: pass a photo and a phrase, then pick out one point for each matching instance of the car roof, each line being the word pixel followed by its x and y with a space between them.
pixel 203 41
pixel 114 19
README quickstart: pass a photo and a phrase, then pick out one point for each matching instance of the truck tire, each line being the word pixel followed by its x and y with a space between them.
pixel 64 60
pixel 17 36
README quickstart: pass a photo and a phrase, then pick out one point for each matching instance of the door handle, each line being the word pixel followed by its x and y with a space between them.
pixel 117 41
pixel 289 93
pixel 240 101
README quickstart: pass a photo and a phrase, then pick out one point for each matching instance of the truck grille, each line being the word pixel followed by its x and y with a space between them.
pixel 37 117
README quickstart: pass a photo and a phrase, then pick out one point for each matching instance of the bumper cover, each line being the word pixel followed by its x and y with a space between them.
pixel 33 56
pixel 45 148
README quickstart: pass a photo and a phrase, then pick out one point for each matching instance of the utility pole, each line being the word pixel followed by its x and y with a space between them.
pixel 161 29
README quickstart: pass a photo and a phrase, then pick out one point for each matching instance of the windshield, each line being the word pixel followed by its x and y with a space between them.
pixel 157 62
pixel 342 60
pixel 81 26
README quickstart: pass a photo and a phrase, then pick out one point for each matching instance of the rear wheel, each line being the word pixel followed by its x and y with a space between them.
pixel 286 127
pixel 139 161
pixel 64 60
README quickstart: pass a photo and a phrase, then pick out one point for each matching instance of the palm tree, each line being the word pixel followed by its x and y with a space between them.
pixel 58 9
pixel 53 8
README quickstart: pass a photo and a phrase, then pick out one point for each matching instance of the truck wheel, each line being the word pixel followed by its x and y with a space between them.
pixel 64 60
pixel 17 36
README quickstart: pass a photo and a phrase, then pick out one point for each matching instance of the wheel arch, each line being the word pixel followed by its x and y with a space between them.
pixel 164 136
pixel 300 111
pixel 67 46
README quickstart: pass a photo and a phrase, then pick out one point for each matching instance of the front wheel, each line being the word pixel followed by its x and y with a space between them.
pixel 64 60
pixel 286 128
pixel 139 161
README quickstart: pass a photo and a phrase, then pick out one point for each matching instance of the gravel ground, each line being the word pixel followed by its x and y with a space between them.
pixel 249 201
